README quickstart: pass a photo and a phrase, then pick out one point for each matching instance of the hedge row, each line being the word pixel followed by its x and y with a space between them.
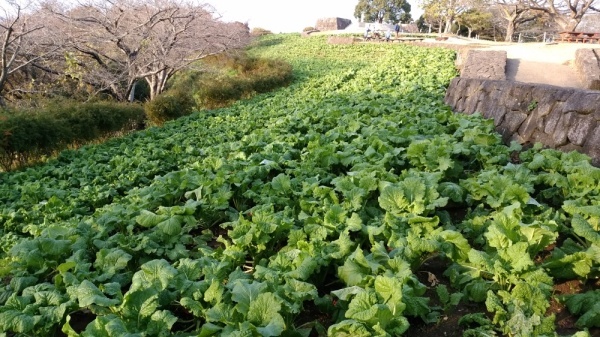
pixel 27 136
pixel 231 78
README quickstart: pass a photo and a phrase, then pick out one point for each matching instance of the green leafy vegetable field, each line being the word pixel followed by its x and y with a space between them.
pixel 319 209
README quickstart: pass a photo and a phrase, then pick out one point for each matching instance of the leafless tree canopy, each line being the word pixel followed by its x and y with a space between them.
pixel 112 44
pixel 565 14
pixel 25 40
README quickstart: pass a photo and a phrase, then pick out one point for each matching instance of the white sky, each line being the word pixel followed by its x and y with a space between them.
pixel 280 15
pixel 288 15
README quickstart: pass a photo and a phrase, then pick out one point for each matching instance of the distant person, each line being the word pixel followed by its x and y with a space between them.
pixel 397 29
pixel 367 31
pixel 388 35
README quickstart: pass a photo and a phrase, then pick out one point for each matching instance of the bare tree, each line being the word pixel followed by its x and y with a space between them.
pixel 116 43
pixel 25 40
pixel 516 13
pixel 567 13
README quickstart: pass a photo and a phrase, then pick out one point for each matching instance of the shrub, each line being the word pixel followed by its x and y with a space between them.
pixel 227 78
pixel 270 74
pixel 244 77
pixel 220 92
pixel 27 135
pixel 260 32
pixel 168 106
pixel 308 29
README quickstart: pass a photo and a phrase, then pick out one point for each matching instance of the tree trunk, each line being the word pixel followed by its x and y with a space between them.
pixel 118 92
pixel 510 30
pixel 152 84
pixel 158 82
pixel 470 31
pixel 448 28
pixel 132 91
pixel 3 78
pixel 572 25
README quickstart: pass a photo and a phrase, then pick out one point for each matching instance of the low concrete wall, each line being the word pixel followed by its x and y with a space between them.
pixel 563 118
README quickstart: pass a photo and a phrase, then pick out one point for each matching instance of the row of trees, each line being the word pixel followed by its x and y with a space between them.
pixel 476 15
pixel 389 11
pixel 107 46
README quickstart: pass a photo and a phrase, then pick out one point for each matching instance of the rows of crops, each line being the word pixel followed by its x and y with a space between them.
pixel 309 211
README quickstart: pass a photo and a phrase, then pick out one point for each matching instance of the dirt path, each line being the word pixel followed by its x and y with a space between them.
pixel 540 72
pixel 546 63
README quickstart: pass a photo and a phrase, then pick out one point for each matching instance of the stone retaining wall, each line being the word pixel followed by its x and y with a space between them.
pixel 487 64
pixel 587 62
pixel 564 118
pixel 332 24
pixel 342 39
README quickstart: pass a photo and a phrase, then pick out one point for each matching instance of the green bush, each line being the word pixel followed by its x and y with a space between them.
pixel 241 77
pixel 269 75
pixel 220 92
pixel 168 106
pixel 28 135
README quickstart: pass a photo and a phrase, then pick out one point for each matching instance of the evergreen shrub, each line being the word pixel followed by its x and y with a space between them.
pixel 27 135
pixel 169 105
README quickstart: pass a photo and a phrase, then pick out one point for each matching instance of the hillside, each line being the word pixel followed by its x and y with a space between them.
pixel 351 203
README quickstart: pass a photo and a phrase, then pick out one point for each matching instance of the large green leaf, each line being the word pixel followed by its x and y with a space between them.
pixel 353 273
pixel 156 273
pixel 365 308
pixel 108 326
pixel 110 261
pixel 583 228
pixel 586 306
pixel 264 312
pixel 244 293
pixel 88 294
pixel 393 199
pixel 390 290
pixel 17 321
pixel 170 226
pixel 160 323
pixel 139 305
pixel 148 219
pixel 349 328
